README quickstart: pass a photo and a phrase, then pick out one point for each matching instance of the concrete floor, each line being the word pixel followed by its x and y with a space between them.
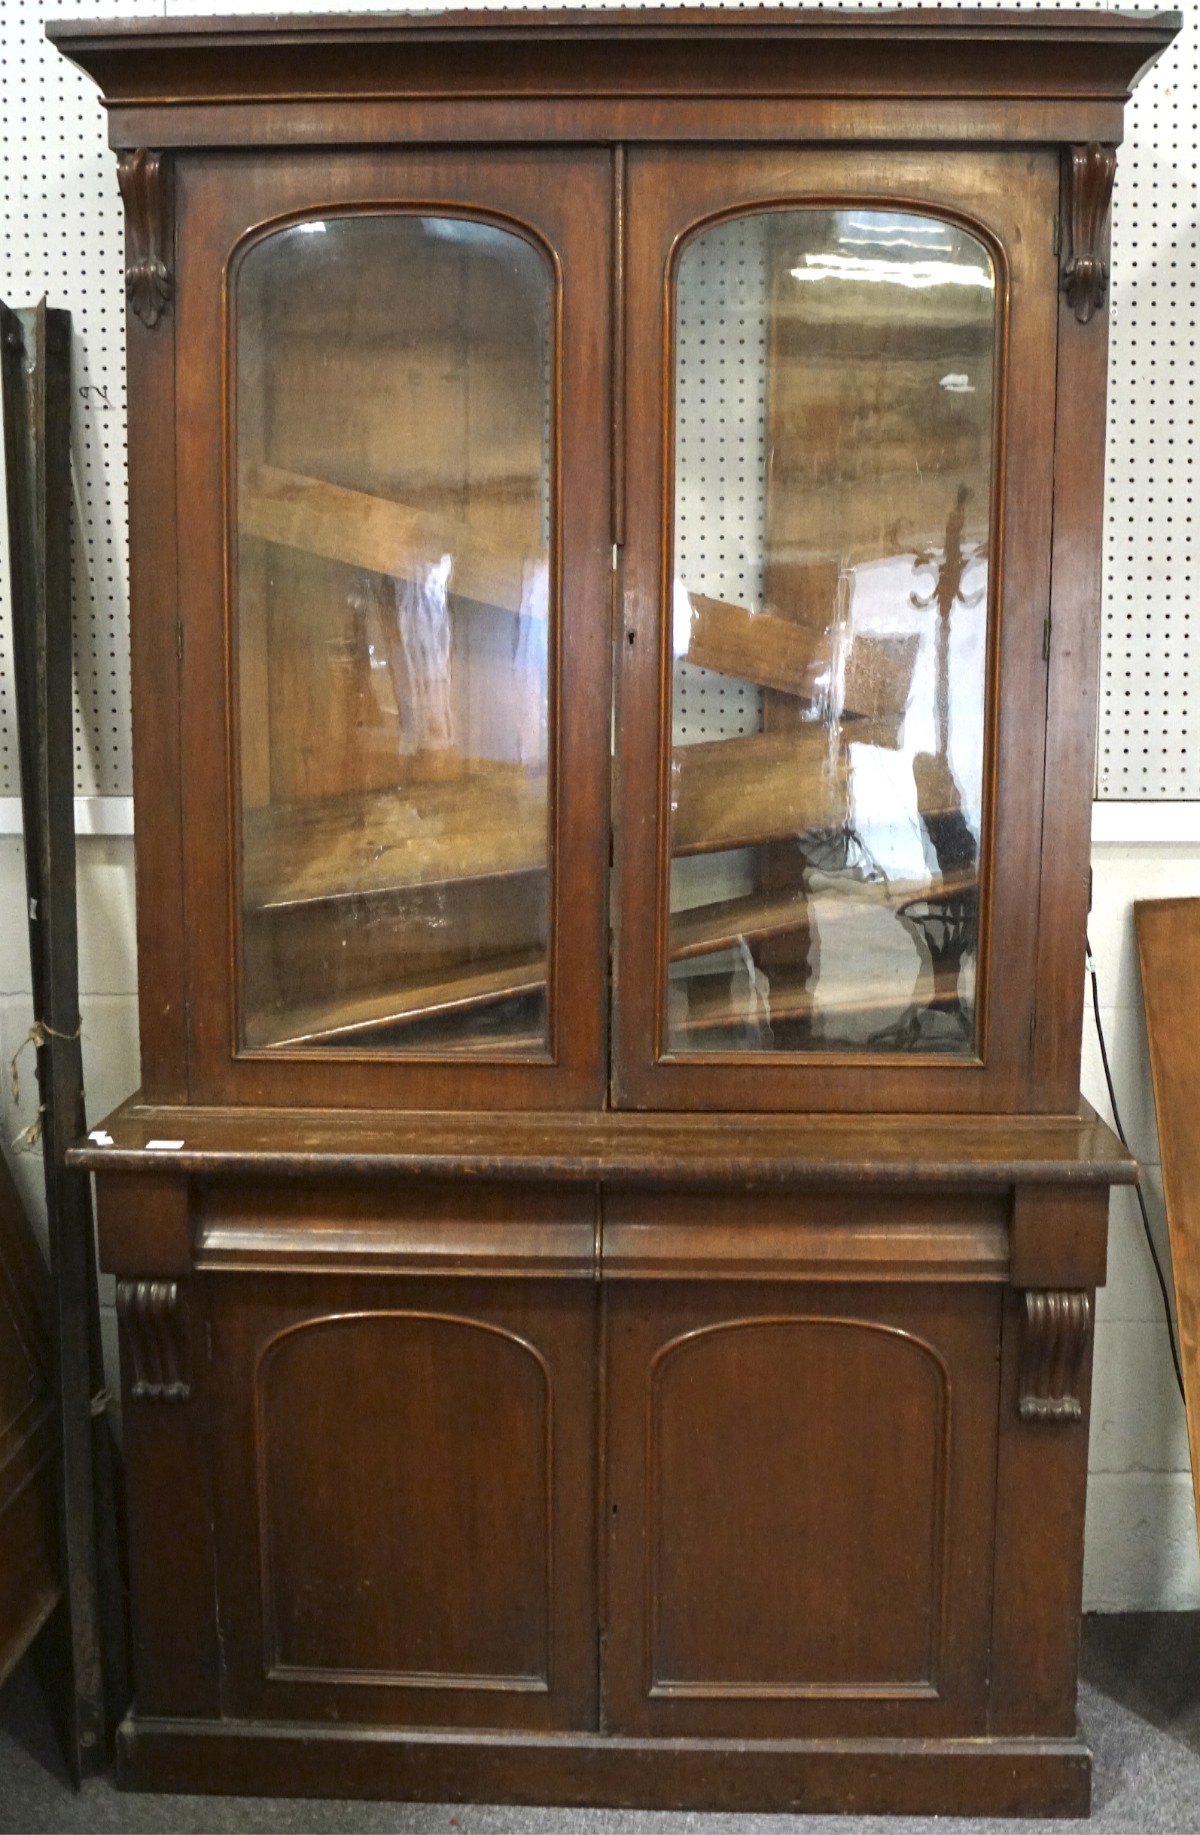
pixel 1140 1706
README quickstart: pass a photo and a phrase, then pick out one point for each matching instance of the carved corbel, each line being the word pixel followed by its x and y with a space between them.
pixel 1090 172
pixel 154 1324
pixel 145 181
pixel 1057 1328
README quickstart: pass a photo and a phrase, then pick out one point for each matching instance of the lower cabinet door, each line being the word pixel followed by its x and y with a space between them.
pixel 800 1501
pixel 406 1499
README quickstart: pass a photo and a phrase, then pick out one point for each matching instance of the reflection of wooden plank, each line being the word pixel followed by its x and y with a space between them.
pixel 330 1022
pixel 753 646
pixel 343 948
pixel 878 683
pixel 482 823
pixel 778 653
pixel 733 792
pixel 1168 933
pixel 707 928
pixel 376 533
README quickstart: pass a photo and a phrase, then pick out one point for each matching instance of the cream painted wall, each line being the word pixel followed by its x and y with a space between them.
pixel 1141 1535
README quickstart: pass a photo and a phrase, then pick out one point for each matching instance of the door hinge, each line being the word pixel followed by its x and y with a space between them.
pixel 1032 1026
pixel 1056 234
pixel 179 641
pixel 1046 639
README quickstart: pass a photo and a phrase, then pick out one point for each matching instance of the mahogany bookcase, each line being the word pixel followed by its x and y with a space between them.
pixel 606 1242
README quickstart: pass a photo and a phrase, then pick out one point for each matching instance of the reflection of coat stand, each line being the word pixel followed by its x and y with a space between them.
pixel 944 921
pixel 943 924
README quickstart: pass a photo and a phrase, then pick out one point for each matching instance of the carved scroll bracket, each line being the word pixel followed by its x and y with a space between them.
pixel 145 181
pixel 1057 1328
pixel 1090 173
pixel 154 1323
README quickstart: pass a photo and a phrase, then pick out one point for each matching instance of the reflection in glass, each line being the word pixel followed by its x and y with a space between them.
pixel 833 454
pixel 392 559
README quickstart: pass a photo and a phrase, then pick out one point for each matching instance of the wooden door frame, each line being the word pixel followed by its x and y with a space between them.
pixel 1009 200
pixel 219 203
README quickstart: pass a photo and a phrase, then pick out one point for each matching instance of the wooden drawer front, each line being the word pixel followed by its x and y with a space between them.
pixel 800 1507
pixel 406 1502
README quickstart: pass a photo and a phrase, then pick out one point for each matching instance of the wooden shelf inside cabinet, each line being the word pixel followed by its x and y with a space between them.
pixel 729 793
pixel 489 820
pixel 739 792
pixel 345 1020
pixel 481 823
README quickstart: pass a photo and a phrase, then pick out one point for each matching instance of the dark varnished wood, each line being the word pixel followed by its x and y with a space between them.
pixel 145 181
pixel 1041 1487
pixel 576 120
pixel 830 1545
pixel 1059 1236
pixel 410 1227
pixel 997 1776
pixel 1089 173
pixel 657 51
pixel 725 1149
pixel 153 1318
pixel 170 1454
pixel 143 1225
pixel 1055 1341
pixel 383 1550
pixel 680 1434
pixel 823 1235
pixel 1073 648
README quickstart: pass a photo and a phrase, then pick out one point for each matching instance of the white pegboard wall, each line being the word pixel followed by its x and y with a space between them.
pixel 62 236
pixel 720 466
pixel 1149 746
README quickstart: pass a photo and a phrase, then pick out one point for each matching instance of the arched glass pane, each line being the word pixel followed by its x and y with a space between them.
pixel 833 461
pixel 392 648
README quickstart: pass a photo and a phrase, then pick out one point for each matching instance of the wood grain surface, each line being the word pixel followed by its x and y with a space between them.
pixel 374 532
pixel 1168 936
pixel 598 1425
pixel 943 1150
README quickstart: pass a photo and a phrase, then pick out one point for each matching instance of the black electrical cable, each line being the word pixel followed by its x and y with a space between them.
pixel 1112 1097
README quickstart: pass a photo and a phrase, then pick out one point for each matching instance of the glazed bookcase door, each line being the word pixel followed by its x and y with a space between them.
pixel 395 690
pixel 836 582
